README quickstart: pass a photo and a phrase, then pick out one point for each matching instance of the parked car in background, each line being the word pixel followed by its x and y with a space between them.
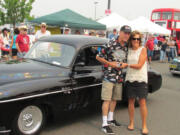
pixel 58 74
pixel 174 67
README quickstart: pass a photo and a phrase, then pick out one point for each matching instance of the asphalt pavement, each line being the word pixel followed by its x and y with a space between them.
pixel 163 113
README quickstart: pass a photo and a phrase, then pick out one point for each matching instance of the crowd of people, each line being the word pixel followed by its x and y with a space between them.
pixel 15 46
pixel 166 46
pixel 20 42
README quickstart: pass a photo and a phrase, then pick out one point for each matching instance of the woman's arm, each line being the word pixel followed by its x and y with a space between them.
pixel 10 51
pixel 142 60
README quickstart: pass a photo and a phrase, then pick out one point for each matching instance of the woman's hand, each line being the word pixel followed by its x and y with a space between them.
pixel 124 65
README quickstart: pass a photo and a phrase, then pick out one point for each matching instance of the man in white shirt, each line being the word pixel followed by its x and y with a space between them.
pixel 43 32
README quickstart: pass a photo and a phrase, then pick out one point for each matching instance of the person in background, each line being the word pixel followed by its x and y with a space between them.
pixel 77 32
pixel 136 79
pixel 113 78
pixel 155 42
pixel 32 38
pixel 22 42
pixel 172 46
pixel 150 47
pixel 143 40
pixel 1 44
pixel 113 35
pixel 5 44
pixel 163 51
pixel 92 33
pixel 42 32
pixel 176 48
pixel 13 49
pixel 67 31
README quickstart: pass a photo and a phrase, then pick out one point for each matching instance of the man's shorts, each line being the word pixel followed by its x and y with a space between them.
pixel 111 91
pixel 150 53
pixel 14 52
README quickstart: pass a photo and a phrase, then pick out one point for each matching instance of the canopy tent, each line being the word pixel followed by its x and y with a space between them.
pixel 70 19
pixel 113 21
pixel 143 24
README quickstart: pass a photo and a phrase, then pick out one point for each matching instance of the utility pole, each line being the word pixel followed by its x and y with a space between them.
pixel 109 4
pixel 108 11
pixel 95 3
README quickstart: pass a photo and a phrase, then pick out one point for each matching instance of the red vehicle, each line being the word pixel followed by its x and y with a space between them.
pixel 170 19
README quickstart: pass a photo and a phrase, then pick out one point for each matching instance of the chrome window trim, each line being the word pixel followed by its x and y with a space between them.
pixel 5 131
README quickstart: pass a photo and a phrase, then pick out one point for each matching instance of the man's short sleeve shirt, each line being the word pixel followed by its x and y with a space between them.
pixel 112 74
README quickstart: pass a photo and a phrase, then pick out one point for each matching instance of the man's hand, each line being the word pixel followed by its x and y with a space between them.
pixel 113 64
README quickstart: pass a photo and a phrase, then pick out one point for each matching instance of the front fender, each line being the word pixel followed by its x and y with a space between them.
pixel 32 88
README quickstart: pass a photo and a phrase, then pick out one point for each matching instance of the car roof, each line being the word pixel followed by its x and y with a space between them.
pixel 77 41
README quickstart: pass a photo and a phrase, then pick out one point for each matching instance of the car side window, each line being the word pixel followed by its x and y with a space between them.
pixel 88 56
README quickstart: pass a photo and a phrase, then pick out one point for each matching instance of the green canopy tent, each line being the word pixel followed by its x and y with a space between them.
pixel 70 19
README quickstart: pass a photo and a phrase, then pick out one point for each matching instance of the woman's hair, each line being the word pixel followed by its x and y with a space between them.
pixel 16 31
pixel 134 33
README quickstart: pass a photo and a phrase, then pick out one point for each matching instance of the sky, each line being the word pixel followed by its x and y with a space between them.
pixel 129 9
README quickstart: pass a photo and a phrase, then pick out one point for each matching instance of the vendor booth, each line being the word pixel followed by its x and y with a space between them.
pixel 69 19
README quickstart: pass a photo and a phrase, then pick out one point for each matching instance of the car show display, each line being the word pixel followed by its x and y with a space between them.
pixel 60 73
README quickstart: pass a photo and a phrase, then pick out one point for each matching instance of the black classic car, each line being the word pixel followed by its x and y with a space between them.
pixel 58 74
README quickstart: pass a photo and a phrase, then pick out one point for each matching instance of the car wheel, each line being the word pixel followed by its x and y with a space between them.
pixel 29 121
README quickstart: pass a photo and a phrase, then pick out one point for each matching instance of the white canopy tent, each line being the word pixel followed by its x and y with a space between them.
pixel 144 25
pixel 113 21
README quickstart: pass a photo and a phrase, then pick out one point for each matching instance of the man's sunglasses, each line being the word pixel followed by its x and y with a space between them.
pixel 138 39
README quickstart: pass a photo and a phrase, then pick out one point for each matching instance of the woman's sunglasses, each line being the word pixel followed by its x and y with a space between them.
pixel 138 39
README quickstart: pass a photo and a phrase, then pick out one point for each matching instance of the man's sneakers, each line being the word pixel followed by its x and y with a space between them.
pixel 107 130
pixel 114 123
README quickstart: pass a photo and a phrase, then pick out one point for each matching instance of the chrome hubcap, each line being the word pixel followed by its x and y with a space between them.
pixel 30 120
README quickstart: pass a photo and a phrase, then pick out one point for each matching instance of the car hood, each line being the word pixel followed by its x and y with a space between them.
pixel 28 70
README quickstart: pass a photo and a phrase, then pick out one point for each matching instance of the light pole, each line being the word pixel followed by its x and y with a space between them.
pixel 109 4
pixel 95 3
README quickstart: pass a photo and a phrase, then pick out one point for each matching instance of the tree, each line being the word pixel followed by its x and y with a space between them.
pixel 15 11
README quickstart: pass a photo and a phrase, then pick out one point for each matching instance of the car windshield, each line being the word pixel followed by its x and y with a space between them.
pixel 52 53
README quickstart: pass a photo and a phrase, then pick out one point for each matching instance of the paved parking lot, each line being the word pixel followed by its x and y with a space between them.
pixel 163 108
